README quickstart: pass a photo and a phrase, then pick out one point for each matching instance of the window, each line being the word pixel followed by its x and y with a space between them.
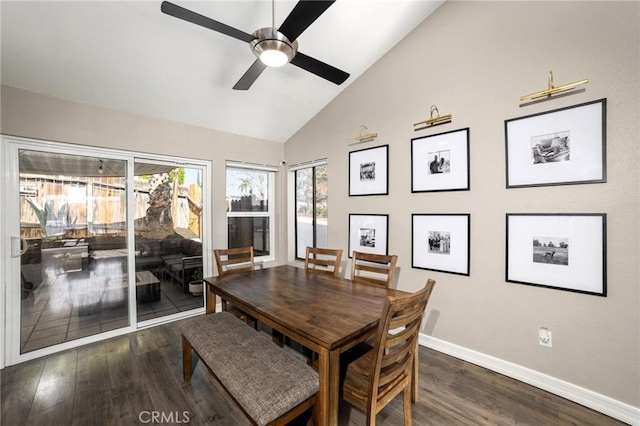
pixel 250 207
pixel 311 207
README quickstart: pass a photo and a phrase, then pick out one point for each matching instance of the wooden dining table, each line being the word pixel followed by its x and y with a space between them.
pixel 324 313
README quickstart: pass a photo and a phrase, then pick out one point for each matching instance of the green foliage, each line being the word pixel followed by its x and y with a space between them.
pixel 197 275
pixel 48 215
pixel 177 174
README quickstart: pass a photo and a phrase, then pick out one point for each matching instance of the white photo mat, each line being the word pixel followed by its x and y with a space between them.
pixel 369 171
pixel 455 145
pixel 369 233
pixel 583 126
pixel 454 256
pixel 583 265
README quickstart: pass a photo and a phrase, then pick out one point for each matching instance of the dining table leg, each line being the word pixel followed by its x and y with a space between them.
pixel 211 301
pixel 329 393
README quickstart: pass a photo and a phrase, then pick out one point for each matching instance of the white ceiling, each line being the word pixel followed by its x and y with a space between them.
pixel 129 56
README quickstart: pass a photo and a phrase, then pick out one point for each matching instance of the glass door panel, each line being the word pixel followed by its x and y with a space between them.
pixel 73 221
pixel 168 239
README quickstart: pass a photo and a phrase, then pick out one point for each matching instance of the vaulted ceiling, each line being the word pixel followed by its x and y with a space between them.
pixel 129 56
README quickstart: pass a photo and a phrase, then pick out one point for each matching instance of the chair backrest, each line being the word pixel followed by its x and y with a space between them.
pixel 378 269
pixel 323 260
pixel 394 352
pixel 230 261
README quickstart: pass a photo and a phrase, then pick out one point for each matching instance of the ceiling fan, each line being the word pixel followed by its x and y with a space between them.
pixel 273 47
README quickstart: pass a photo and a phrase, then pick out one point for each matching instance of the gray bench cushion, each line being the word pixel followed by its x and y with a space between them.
pixel 265 380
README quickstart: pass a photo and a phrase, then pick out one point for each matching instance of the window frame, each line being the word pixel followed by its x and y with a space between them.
pixel 271 198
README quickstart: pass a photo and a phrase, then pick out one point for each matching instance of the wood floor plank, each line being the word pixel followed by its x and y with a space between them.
pixel 92 399
pixel 18 389
pixel 53 399
pixel 123 380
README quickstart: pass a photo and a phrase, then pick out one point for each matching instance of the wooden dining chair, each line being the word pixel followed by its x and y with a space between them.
pixel 235 261
pixel 323 260
pixel 377 269
pixel 376 377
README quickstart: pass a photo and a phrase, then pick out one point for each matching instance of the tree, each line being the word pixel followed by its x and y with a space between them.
pixel 246 186
pixel 177 173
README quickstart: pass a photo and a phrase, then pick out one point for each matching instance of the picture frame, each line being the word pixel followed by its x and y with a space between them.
pixel 563 251
pixel 558 147
pixel 369 233
pixel 441 242
pixel 369 171
pixel 440 162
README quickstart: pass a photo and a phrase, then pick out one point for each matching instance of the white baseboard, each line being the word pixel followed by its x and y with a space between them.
pixel 601 403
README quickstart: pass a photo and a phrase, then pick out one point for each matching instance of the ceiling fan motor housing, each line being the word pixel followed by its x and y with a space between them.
pixel 272 47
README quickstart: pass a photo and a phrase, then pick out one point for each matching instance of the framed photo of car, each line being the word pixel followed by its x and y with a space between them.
pixel 559 147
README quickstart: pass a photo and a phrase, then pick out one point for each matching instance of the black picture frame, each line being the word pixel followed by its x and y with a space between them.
pixel 369 171
pixel 369 233
pixel 441 162
pixel 441 242
pixel 562 251
pixel 564 146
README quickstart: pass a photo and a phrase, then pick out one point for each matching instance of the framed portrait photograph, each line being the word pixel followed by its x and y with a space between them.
pixel 441 242
pixel 560 147
pixel 440 162
pixel 368 233
pixel 369 171
pixel 559 251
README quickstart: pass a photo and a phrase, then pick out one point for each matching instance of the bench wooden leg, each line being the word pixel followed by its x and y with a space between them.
pixel 187 359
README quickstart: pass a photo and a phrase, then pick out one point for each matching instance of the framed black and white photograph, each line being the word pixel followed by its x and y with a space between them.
pixel 560 147
pixel 368 233
pixel 441 242
pixel 559 251
pixel 440 162
pixel 369 171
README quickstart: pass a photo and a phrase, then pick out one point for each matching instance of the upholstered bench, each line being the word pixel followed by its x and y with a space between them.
pixel 271 385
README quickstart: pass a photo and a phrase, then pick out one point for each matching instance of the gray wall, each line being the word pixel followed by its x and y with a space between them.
pixel 474 60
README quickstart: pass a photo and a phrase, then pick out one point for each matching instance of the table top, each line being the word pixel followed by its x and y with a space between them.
pixel 327 310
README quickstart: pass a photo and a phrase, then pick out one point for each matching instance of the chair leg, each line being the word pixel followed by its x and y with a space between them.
pixel 407 405
pixel 414 377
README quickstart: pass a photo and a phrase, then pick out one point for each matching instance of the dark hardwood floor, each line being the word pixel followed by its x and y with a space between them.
pixel 137 379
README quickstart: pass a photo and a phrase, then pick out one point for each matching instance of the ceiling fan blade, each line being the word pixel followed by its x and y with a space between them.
pixel 250 76
pixel 319 68
pixel 303 14
pixel 203 21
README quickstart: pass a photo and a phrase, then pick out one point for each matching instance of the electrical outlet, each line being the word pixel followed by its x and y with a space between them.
pixel 544 337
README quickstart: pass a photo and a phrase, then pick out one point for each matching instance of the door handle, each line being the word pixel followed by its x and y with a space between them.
pixel 21 248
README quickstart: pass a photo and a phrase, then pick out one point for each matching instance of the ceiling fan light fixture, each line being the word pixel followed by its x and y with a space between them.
pixel 272 47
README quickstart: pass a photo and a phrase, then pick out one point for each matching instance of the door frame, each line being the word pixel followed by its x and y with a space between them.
pixel 10 216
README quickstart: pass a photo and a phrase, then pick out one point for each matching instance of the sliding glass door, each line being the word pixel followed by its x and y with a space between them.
pixel 101 243
pixel 73 227
pixel 168 239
